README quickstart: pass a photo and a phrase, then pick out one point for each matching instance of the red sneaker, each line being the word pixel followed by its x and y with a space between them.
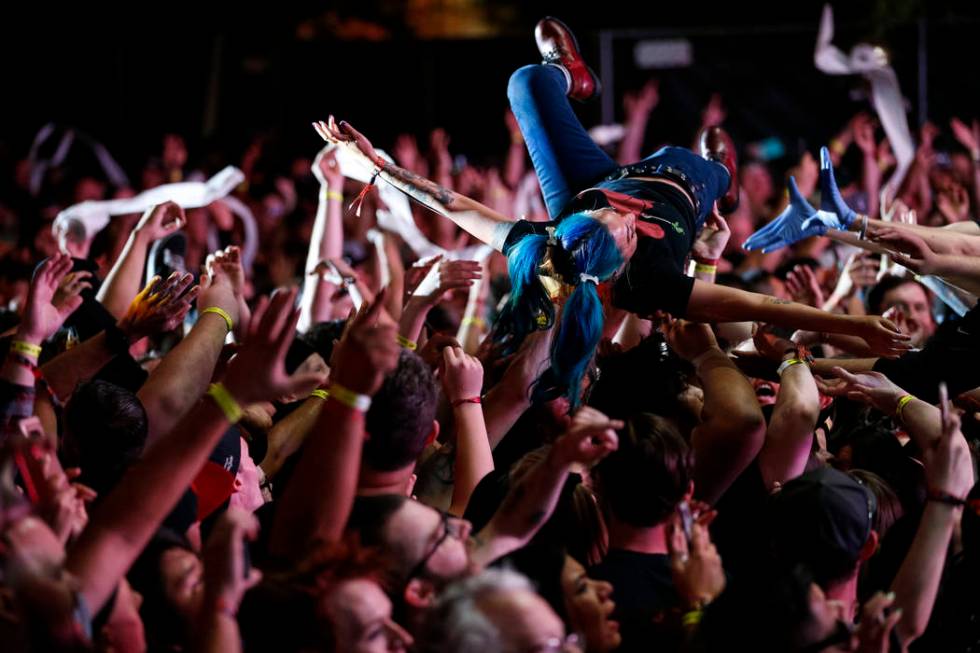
pixel 717 145
pixel 558 46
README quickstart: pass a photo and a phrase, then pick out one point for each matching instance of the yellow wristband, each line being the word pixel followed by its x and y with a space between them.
pixel 475 320
pixel 322 394
pixel 223 313
pixel 787 364
pixel 704 268
pixel 406 343
pixel 349 398
pixel 27 348
pixel 692 618
pixel 901 405
pixel 225 402
pixel 837 147
pixel 335 195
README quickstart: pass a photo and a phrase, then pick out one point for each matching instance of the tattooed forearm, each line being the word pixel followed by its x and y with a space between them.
pixel 420 188
pixel 777 300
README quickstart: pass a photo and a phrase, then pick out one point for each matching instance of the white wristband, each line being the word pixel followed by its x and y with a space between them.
pixel 785 365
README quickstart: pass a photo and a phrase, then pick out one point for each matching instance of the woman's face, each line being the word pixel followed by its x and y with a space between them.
pixel 622 227
pixel 360 614
pixel 589 608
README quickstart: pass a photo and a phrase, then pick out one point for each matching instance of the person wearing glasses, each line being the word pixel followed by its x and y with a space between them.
pixel 430 549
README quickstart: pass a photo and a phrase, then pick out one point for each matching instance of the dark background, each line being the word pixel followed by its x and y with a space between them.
pixel 221 73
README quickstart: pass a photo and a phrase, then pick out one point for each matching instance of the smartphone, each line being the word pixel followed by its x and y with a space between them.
pixel 943 404
pixel 687 520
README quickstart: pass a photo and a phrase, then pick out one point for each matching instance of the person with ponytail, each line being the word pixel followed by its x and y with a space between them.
pixel 619 236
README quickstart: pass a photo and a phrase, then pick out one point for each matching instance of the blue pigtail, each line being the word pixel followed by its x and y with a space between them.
pixel 529 307
pixel 594 253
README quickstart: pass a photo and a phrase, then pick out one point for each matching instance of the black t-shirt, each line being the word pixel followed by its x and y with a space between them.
pixel 666 228
pixel 646 601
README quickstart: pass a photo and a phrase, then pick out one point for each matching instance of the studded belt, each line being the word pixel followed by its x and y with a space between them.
pixel 661 170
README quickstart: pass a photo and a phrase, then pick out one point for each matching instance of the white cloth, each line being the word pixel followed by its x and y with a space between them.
pixel 94 215
pixel 871 62
pixel 397 218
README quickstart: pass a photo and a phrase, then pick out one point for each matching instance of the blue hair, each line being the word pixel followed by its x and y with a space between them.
pixel 590 250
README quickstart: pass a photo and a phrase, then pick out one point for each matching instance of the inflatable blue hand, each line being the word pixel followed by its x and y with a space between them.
pixel 830 198
pixel 798 220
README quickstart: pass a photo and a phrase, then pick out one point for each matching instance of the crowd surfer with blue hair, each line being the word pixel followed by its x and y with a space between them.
pixel 620 236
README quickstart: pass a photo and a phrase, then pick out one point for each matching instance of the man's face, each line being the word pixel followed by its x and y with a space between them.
pixel 424 532
pixel 360 616
pixel 914 301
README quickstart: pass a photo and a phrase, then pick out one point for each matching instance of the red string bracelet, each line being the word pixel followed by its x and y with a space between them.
pixel 468 400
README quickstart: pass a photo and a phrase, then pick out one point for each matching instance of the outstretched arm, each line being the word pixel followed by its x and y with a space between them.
pixel 123 281
pixel 711 303
pixel 133 511
pixel 732 428
pixel 533 498
pixel 319 496
pixel 326 241
pixel 478 220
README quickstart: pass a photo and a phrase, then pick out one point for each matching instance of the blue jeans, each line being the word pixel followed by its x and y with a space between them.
pixel 567 160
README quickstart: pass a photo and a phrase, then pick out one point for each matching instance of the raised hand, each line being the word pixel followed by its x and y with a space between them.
pixel 446 278
pixel 160 307
pixel 226 574
pixel 41 316
pixel 688 339
pixel 258 372
pixel 326 170
pixel 804 287
pixel 228 263
pixel 877 623
pixel 864 134
pixel 218 289
pixel 696 568
pixel 967 135
pixel 872 388
pixel 463 374
pixel 948 465
pixel 912 251
pixel 830 197
pixel 713 238
pixel 368 350
pixel 883 336
pixel 419 270
pixel 643 101
pixel 344 134
pixel 70 287
pixel 770 344
pixel 714 112
pixel 162 220
pixel 591 436
pixel 798 220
